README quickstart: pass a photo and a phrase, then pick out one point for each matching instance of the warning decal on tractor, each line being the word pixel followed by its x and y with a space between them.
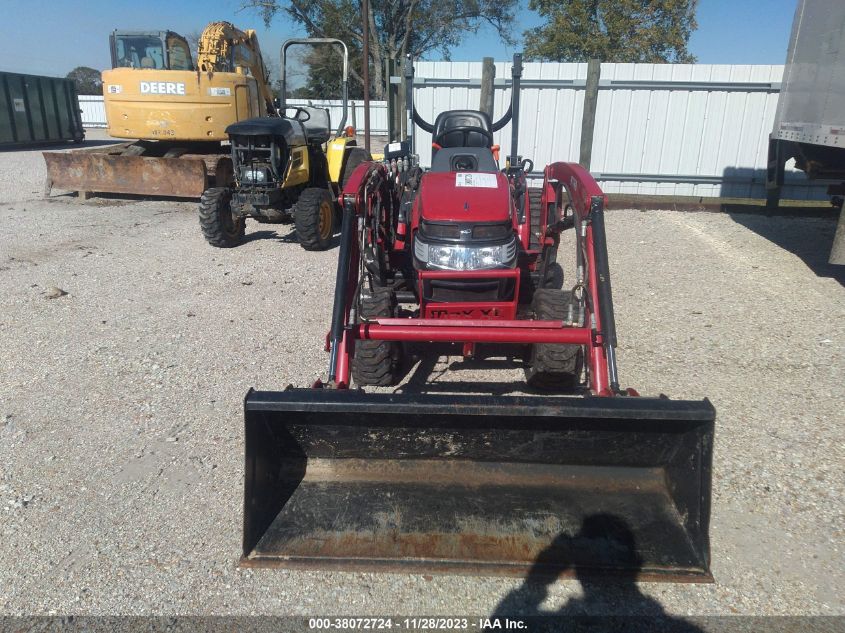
pixel 471 179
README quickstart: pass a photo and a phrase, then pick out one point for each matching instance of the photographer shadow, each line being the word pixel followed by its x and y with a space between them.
pixel 612 602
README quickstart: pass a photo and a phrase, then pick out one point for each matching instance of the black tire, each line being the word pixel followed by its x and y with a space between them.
pixel 219 227
pixel 534 199
pixel 356 156
pixel 554 272
pixel 314 219
pixel 554 276
pixel 377 363
pixel 553 367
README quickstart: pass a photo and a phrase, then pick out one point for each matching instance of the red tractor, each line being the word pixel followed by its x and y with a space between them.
pixel 595 479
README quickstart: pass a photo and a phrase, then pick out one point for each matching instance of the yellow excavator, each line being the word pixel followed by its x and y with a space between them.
pixel 176 113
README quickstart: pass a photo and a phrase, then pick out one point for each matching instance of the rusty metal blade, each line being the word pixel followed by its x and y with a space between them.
pixel 478 484
pixel 103 172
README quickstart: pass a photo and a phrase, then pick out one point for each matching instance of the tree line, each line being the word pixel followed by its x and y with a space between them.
pixel 646 31
pixel 649 31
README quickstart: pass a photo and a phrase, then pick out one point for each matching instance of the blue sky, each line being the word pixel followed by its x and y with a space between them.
pixel 51 37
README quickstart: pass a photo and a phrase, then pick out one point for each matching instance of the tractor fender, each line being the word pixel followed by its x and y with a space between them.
pixel 336 154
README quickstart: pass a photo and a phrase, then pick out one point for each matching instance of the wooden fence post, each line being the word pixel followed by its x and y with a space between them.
pixel 588 119
pixel 488 73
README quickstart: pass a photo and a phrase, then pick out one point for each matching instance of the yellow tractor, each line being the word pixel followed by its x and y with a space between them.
pixel 177 111
pixel 286 169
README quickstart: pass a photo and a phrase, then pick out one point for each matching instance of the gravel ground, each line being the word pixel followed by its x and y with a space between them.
pixel 121 422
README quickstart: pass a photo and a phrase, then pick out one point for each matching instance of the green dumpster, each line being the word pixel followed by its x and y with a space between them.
pixel 35 109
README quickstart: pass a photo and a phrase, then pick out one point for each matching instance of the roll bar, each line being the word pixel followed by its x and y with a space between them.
pixel 512 113
pixel 318 40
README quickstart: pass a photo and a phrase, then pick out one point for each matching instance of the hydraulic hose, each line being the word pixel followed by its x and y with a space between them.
pixel 605 295
pixel 347 235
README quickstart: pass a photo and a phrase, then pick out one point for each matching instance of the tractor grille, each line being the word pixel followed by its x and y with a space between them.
pixel 468 290
pixel 257 160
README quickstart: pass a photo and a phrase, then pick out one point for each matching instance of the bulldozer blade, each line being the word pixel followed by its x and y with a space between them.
pixel 104 172
pixel 480 485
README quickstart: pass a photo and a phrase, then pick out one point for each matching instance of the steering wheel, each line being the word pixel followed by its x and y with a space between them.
pixel 466 129
pixel 300 114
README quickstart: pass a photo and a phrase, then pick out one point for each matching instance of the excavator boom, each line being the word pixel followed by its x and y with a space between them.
pixel 224 48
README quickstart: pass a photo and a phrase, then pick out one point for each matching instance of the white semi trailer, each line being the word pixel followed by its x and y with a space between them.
pixel 810 120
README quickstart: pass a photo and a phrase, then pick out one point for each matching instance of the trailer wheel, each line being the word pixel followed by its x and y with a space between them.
pixel 314 219
pixel 377 363
pixel 219 226
pixel 553 367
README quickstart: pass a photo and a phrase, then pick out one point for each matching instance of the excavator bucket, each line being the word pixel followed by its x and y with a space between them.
pixel 100 171
pixel 478 485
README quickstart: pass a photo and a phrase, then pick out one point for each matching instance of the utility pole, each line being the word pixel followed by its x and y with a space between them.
pixel 366 74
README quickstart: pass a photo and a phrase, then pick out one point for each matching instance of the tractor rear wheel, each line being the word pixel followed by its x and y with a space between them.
pixel 219 225
pixel 314 219
pixel 553 367
pixel 553 277
pixel 356 156
pixel 377 363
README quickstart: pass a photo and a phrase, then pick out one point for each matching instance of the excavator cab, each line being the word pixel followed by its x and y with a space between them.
pixel 159 50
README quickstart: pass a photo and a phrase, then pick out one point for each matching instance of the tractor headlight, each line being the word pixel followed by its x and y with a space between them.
pixel 255 176
pixel 453 257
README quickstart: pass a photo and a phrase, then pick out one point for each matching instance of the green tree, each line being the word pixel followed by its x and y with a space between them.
pixel 315 73
pixel 645 31
pixel 396 27
pixel 88 81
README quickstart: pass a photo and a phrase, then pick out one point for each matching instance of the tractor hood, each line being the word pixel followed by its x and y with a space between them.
pixel 465 197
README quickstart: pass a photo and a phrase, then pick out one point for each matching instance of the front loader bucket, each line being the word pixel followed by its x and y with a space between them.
pixel 478 484
pixel 110 173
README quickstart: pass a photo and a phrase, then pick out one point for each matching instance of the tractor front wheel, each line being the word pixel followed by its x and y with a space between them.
pixel 553 367
pixel 377 363
pixel 219 225
pixel 314 219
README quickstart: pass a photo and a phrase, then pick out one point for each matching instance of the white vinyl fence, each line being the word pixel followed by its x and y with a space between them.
pixel 661 129
pixel 355 115
pixel 93 111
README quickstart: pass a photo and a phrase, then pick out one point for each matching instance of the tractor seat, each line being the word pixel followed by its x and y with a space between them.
pixel 448 132
pixel 318 128
pixel 472 159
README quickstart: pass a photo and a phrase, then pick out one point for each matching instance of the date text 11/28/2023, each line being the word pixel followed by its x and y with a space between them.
pixel 416 624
